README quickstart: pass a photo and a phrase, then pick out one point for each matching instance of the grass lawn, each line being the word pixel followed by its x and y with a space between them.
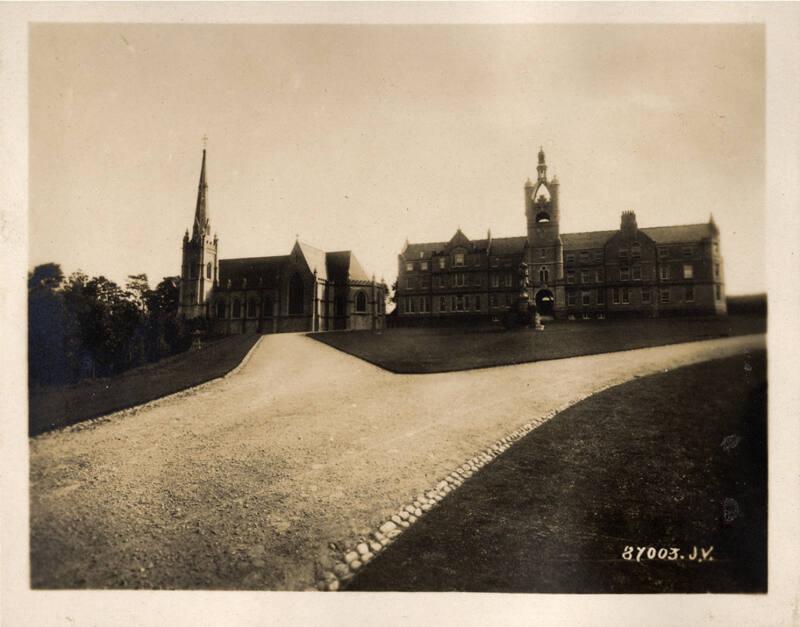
pixel 446 349
pixel 672 460
pixel 56 407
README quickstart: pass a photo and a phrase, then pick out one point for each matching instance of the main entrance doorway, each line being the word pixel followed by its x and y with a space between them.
pixel 545 302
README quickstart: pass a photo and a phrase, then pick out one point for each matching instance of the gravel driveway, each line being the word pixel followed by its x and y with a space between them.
pixel 244 483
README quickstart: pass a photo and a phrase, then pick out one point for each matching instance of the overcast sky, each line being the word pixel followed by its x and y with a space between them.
pixel 356 137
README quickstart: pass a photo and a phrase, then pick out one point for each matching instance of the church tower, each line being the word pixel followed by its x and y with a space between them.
pixel 545 250
pixel 199 266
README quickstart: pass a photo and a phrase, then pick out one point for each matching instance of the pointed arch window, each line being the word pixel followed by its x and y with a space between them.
pixel 251 307
pixel 296 295
pixel 267 308
pixel 208 270
pixel 221 309
pixel 544 275
pixel 542 194
pixel 237 308
pixel 361 302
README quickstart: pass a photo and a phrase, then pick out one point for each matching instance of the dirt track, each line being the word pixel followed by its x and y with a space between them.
pixel 243 484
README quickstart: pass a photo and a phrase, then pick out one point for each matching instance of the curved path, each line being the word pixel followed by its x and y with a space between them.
pixel 243 483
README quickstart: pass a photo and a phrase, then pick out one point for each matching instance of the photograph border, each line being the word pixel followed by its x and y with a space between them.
pixel 781 605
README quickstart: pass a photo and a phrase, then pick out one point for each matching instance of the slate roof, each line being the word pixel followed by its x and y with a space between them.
pixel 500 246
pixel 508 245
pixel 254 269
pixel 339 266
pixel 316 259
pixel 427 249
pixel 343 265
pixel 573 241
pixel 587 239
pixel 679 234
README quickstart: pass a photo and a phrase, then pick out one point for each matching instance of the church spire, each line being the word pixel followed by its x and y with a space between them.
pixel 202 226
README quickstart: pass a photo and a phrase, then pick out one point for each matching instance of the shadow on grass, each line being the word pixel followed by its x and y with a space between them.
pixel 672 460
pixel 56 407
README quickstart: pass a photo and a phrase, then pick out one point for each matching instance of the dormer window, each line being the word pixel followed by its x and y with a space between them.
pixel 458 259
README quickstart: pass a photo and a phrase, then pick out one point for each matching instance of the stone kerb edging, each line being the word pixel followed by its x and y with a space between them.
pixel 364 549
pixel 130 411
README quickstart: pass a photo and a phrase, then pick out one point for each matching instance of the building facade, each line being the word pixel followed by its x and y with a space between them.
pixel 631 271
pixel 306 290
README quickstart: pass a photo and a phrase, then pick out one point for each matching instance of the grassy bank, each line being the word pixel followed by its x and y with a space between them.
pixel 56 407
pixel 425 350
pixel 671 460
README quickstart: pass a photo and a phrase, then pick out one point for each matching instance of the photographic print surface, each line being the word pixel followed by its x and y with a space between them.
pixel 475 308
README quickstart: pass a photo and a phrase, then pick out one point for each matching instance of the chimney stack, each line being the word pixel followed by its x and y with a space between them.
pixel 628 222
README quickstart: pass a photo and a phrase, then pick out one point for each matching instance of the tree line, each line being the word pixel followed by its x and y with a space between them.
pixel 85 327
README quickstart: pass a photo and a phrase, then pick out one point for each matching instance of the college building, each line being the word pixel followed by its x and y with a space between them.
pixel 306 290
pixel 631 271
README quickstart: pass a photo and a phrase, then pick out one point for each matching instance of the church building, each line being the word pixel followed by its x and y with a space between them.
pixel 631 271
pixel 306 290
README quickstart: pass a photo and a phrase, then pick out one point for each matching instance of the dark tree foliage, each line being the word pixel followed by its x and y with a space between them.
pixel 46 327
pixel 81 327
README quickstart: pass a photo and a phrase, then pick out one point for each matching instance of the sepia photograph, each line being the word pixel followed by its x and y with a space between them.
pixel 428 307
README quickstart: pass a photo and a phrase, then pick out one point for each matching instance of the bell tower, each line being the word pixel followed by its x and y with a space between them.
pixel 199 266
pixel 545 250
pixel 541 206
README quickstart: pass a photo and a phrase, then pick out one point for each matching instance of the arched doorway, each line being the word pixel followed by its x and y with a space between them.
pixel 545 302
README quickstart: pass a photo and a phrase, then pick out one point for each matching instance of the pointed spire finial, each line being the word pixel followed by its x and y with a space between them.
pixel 202 225
pixel 542 167
pixel 205 141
